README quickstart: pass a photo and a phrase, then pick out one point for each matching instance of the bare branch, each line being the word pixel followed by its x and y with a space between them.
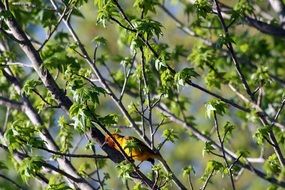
pixel 279 7
pixel 127 78
pixel 278 112
pixel 73 155
pixel 182 26
pixel 17 64
pixel 10 103
pixel 256 107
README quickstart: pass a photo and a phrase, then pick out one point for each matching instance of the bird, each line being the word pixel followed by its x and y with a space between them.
pixel 133 147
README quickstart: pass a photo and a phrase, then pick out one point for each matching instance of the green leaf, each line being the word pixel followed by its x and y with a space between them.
pixel 106 10
pixel 110 119
pixel 167 81
pixel 81 115
pixel 76 12
pixel 209 110
pixel 30 85
pixel 281 175
pixel 65 135
pixel 208 148
pixel 75 109
pixel 125 169
pixel 5 14
pixel 146 5
pixel 272 166
pixel 48 18
pixel 158 64
pixel 261 134
pixel 202 56
pixel 185 75
pixel 228 129
pixel 261 75
pixel 215 105
pixel 244 47
pixel 213 79
pixel 29 167
pixel 244 7
pixel 223 40
pixel 188 170
pixel 148 28
pixel 179 51
pixel 22 134
pixel 56 183
pixel 100 40
pixel 212 165
pixel 203 7
pixel 139 186
pixel 132 145
pixel 272 187
pixel 170 135
pixel 3 166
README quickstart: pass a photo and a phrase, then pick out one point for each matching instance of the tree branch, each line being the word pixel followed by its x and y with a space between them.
pixel 207 180
pixel 279 7
pixel 36 60
pixel 10 103
pixel 245 84
pixel 232 53
pixel 45 135
pixel 230 155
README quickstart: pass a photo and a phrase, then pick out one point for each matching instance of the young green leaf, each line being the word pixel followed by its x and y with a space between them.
pixel 215 105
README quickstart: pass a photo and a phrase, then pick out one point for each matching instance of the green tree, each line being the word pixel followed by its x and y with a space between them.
pixel 199 82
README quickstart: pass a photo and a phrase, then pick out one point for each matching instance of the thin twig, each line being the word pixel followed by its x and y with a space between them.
pixel 190 182
pixel 148 98
pixel 141 98
pixel 73 155
pixel 245 84
pixel 127 78
pixel 54 29
pixel 255 106
pixel 17 64
pixel 223 149
pixel 278 112
pixel 229 154
pixel 92 64
pixel 207 180
pixel 97 167
pixel 5 121
pixel 158 126
pixel 236 161
pixel 44 100
pixel 11 103
pixel 232 53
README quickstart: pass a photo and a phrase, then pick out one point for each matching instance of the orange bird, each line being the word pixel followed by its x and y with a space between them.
pixel 133 147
